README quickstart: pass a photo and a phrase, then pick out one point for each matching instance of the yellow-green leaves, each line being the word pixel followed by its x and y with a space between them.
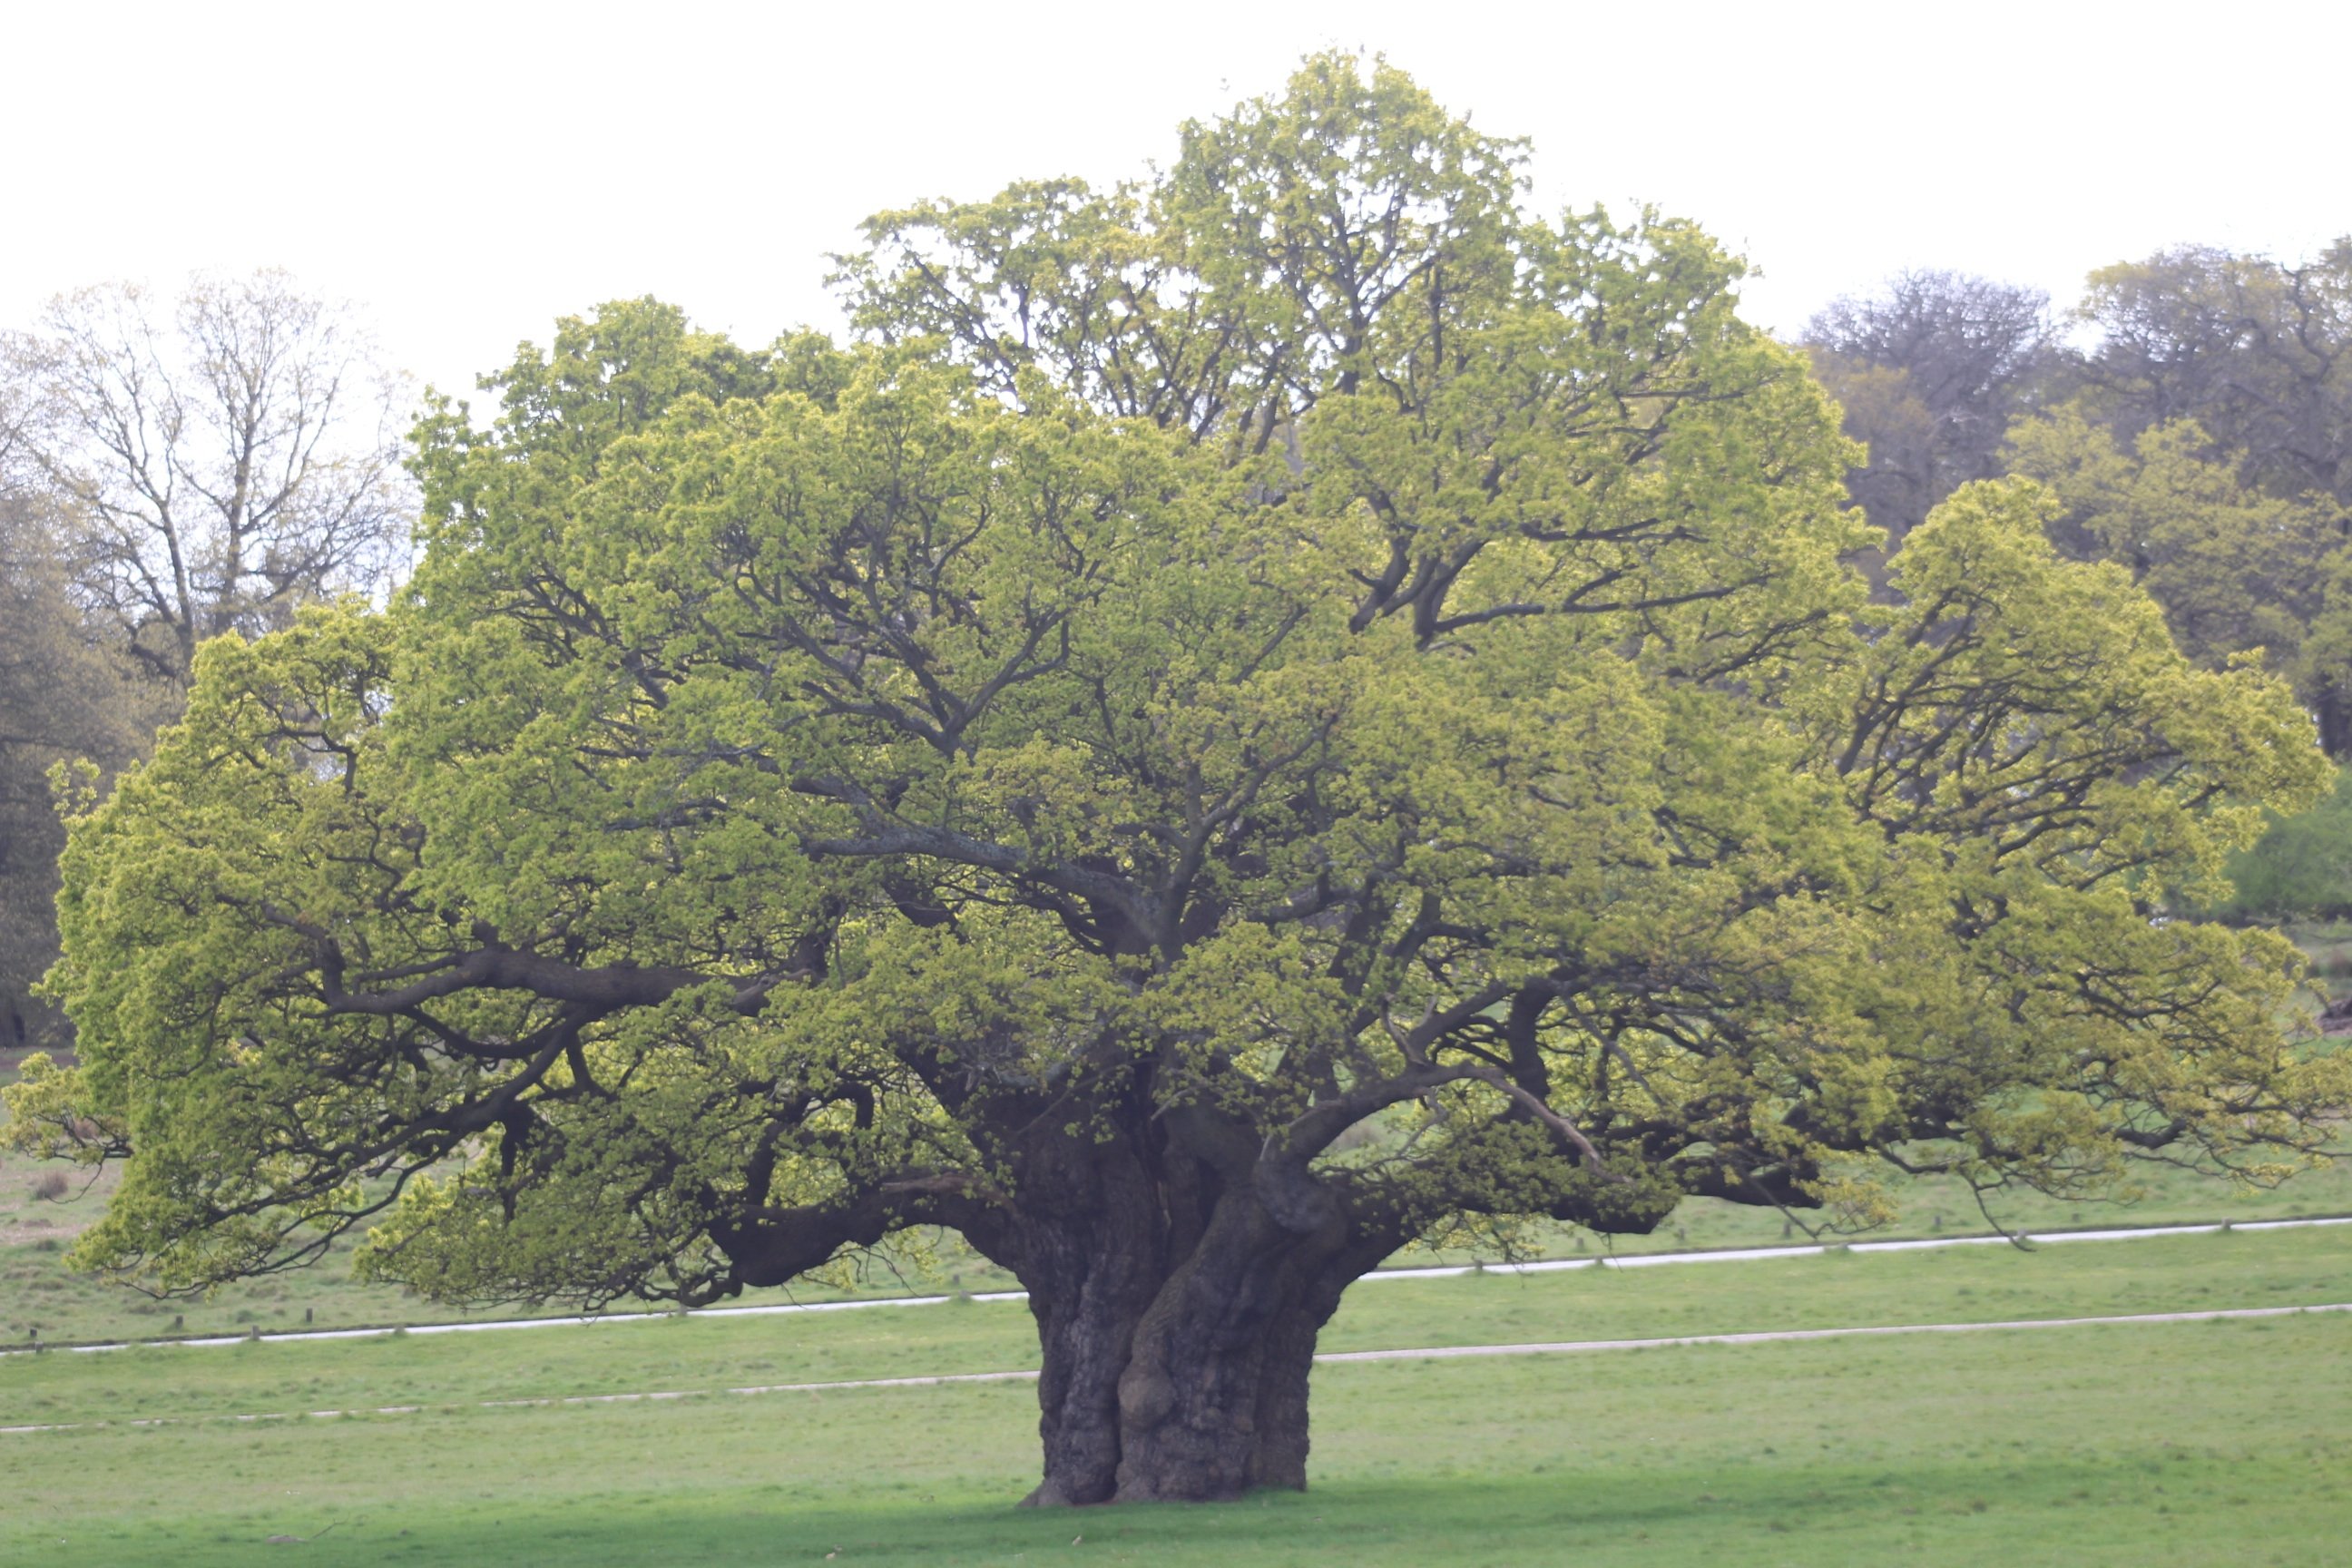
pixel 2039 708
pixel 1295 667
pixel 2238 572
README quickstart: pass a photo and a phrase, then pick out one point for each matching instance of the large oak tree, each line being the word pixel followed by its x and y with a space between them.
pixel 1255 716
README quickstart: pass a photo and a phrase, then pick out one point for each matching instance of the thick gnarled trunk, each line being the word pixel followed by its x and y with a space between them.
pixel 1211 1408
pixel 1177 1319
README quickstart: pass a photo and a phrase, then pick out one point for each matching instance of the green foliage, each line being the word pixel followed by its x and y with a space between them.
pixel 2301 868
pixel 1297 645
pixel 2236 570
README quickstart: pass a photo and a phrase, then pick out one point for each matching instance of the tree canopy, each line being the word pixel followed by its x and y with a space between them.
pixel 1253 717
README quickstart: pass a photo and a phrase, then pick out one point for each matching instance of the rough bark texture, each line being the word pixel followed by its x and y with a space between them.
pixel 1177 1315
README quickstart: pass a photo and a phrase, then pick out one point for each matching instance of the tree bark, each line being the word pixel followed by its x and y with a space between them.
pixel 1177 1317
pixel 1092 1263
pixel 1213 1400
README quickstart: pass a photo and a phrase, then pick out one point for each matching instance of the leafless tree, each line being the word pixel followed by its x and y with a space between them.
pixel 215 461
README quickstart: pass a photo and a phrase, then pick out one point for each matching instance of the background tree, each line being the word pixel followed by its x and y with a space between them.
pixel 2257 353
pixel 2235 569
pixel 1423 765
pixel 213 462
pixel 1929 373
pixel 64 695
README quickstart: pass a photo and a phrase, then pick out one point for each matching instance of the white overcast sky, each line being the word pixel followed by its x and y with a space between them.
pixel 468 172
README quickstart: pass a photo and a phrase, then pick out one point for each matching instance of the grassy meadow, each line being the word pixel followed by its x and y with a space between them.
pixel 2194 1443
pixel 2142 1445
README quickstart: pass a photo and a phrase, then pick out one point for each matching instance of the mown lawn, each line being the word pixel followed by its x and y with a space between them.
pixel 1975 1284
pixel 2188 1444
pixel 2199 1444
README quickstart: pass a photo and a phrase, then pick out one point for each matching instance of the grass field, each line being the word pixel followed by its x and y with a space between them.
pixel 2199 1444
pixel 2213 1443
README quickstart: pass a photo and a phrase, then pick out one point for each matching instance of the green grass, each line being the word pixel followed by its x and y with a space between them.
pixel 1967 1454
pixel 2219 1442
pixel 1964 1285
